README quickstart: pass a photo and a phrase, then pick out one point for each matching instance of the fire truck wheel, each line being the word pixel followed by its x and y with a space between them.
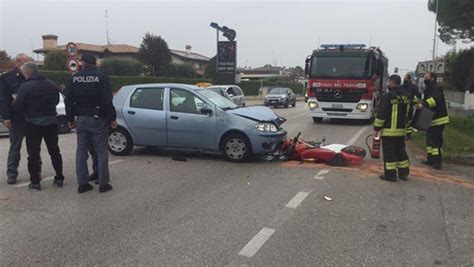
pixel 317 120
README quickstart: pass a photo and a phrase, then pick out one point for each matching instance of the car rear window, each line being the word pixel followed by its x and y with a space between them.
pixel 148 98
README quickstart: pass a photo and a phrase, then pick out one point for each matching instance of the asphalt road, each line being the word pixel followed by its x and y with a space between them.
pixel 206 211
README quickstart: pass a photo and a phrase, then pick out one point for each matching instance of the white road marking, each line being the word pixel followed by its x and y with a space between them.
pixel 52 177
pixel 321 174
pixel 357 135
pixel 116 161
pixel 27 183
pixel 296 200
pixel 257 242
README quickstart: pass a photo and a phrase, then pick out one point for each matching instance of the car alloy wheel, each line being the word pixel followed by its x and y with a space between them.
pixel 235 148
pixel 117 142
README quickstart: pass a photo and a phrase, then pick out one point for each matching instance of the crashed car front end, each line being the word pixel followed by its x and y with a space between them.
pixel 263 129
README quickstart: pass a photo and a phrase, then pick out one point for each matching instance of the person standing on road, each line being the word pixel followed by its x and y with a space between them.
pixel 37 99
pixel 391 124
pixel 15 122
pixel 433 98
pixel 89 98
pixel 415 97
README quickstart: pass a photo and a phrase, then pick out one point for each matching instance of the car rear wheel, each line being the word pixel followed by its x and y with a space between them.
pixel 120 142
pixel 294 104
pixel 236 148
pixel 63 126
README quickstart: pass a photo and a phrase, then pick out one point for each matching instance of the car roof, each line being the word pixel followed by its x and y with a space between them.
pixel 178 85
pixel 222 85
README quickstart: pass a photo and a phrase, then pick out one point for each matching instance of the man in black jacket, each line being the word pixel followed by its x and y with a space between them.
pixel 9 84
pixel 89 98
pixel 433 98
pixel 37 99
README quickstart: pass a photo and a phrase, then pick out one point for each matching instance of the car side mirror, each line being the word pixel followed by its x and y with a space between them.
pixel 206 111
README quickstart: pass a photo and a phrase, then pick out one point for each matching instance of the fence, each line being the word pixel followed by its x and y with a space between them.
pixel 460 100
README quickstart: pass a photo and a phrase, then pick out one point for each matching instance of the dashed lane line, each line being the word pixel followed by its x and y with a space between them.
pixel 357 135
pixel 257 242
pixel 321 174
pixel 296 200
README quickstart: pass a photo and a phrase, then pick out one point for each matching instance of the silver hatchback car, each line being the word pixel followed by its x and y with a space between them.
pixel 188 117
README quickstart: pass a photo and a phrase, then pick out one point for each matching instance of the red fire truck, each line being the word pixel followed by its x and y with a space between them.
pixel 345 81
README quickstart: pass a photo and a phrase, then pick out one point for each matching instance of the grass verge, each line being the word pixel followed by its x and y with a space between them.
pixel 458 139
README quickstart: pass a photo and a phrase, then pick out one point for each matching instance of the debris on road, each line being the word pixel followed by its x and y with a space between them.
pixel 327 198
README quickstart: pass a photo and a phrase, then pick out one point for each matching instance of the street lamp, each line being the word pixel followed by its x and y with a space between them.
pixel 435 29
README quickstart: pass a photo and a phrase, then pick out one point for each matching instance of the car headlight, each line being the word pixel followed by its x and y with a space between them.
pixel 313 105
pixel 266 127
pixel 363 107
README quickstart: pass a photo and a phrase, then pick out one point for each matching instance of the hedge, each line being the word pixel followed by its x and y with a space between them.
pixel 249 87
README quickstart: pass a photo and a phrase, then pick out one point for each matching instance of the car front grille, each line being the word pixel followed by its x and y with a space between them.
pixel 339 95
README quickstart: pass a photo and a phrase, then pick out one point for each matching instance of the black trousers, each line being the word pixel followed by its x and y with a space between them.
pixel 395 157
pixel 34 135
pixel 434 145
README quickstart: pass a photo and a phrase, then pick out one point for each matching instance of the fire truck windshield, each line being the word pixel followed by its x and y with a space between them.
pixel 340 67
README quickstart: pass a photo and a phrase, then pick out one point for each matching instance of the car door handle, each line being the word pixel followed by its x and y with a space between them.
pixel 131 112
pixel 174 117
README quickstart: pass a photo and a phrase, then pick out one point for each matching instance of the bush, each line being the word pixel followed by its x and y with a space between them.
pixel 121 67
pixel 61 77
pixel 55 60
pixel 181 70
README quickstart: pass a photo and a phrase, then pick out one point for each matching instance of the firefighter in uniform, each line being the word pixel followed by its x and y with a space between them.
pixel 90 110
pixel 415 97
pixel 433 98
pixel 391 125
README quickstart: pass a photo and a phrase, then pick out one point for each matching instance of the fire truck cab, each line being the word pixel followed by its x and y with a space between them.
pixel 345 81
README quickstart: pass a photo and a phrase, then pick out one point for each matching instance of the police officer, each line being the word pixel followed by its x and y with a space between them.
pixel 90 110
pixel 14 121
pixel 415 97
pixel 36 99
pixel 391 124
pixel 433 98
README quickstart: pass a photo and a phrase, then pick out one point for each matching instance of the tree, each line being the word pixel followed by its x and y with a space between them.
pixel 155 54
pixel 456 71
pixel 456 23
pixel 55 60
pixel 121 67
pixel 6 61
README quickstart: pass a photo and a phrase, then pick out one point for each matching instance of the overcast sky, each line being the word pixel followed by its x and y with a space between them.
pixel 268 32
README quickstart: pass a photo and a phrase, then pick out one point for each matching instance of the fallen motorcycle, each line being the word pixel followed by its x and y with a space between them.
pixel 318 151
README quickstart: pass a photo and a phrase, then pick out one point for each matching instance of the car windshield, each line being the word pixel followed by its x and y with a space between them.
pixel 356 66
pixel 278 91
pixel 218 99
pixel 219 90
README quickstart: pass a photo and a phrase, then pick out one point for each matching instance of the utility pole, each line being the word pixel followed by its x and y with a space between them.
pixel 435 30
pixel 107 27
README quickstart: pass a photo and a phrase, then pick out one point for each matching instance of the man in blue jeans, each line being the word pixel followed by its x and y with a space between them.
pixel 90 110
